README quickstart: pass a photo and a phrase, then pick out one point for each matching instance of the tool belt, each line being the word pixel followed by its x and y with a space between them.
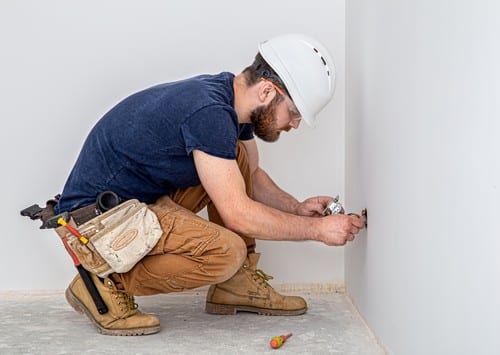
pixel 113 241
pixel 116 240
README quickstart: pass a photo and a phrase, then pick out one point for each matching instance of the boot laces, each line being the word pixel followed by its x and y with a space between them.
pixel 125 300
pixel 262 277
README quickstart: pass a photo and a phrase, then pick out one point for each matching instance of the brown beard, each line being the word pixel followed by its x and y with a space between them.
pixel 264 121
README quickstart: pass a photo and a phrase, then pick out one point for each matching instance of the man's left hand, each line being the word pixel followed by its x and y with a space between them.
pixel 313 207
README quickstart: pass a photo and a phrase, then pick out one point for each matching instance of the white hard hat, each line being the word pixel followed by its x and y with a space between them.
pixel 305 67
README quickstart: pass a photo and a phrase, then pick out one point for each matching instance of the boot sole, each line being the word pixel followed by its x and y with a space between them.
pixel 79 307
pixel 227 309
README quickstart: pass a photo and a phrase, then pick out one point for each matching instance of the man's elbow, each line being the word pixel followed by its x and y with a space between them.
pixel 235 219
pixel 235 223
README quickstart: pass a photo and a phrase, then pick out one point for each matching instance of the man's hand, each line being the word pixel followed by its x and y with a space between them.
pixel 338 229
pixel 313 207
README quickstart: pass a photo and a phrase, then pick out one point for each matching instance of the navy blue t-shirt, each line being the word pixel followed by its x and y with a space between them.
pixel 142 148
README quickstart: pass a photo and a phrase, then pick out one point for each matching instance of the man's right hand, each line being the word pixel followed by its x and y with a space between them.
pixel 338 229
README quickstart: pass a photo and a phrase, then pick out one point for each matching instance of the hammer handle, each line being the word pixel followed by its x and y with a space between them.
pixel 87 280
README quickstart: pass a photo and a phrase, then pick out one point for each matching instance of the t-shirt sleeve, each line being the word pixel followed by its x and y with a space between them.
pixel 213 130
pixel 246 132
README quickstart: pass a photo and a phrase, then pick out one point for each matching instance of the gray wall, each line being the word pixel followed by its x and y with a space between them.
pixel 422 145
pixel 63 64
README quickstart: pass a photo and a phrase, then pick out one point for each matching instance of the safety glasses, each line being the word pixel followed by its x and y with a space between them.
pixel 294 112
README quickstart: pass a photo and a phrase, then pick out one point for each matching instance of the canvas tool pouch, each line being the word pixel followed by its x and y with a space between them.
pixel 118 238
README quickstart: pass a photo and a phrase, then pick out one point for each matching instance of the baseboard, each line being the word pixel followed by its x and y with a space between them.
pixel 313 287
pixel 327 287
pixel 310 287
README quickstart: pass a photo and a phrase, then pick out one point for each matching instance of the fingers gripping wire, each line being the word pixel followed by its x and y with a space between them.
pixel 363 216
pixel 335 207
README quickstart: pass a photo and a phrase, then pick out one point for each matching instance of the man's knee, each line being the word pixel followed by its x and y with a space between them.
pixel 234 256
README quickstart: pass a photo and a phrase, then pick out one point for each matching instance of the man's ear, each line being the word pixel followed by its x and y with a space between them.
pixel 265 92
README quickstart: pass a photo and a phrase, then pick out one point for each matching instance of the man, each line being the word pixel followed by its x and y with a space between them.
pixel 185 145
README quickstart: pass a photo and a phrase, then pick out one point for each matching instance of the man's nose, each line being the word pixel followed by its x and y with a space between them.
pixel 295 123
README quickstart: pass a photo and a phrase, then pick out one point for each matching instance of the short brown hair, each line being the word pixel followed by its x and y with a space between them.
pixel 260 69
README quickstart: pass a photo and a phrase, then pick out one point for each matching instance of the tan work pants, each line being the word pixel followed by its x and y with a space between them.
pixel 192 251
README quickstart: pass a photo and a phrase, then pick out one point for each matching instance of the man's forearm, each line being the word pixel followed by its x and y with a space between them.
pixel 260 221
pixel 267 192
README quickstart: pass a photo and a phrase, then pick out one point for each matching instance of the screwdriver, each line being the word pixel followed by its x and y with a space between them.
pixel 72 230
pixel 278 341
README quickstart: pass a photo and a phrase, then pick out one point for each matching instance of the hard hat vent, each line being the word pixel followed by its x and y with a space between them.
pixel 323 60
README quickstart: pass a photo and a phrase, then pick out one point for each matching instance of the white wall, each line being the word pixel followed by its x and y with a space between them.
pixel 63 64
pixel 422 135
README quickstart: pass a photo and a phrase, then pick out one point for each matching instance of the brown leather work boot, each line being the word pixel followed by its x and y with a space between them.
pixel 249 291
pixel 122 318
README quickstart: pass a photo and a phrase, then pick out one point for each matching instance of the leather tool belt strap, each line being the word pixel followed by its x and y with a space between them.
pixel 49 218
pixel 84 214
